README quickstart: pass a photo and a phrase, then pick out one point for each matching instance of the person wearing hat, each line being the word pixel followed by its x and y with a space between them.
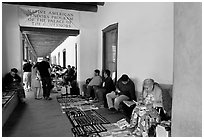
pixel 12 81
pixel 125 90
pixel 152 93
pixel 11 77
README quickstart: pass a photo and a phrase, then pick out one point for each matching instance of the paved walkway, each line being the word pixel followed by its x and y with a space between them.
pixel 43 118
pixel 38 118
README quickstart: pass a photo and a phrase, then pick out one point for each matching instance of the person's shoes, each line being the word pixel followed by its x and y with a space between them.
pixel 101 106
pixel 90 98
pixel 38 98
pixel 23 100
pixel 116 111
pixel 105 106
pixel 95 100
pixel 112 109
pixel 121 110
pixel 29 89
pixel 49 98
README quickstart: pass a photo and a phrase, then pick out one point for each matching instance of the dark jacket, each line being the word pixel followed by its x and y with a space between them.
pixel 127 89
pixel 27 67
pixel 8 79
pixel 43 69
pixel 109 85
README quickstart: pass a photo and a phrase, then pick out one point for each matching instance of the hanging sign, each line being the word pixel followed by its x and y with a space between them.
pixel 48 18
pixel 114 53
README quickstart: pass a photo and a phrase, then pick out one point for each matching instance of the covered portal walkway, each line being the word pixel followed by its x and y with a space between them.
pixel 43 118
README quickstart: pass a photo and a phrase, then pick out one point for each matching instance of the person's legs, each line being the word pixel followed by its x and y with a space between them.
pixel 88 93
pixel 96 91
pixel 35 91
pixel 29 80
pixel 49 86
pixel 105 104
pixel 21 94
pixel 25 80
pixel 44 84
pixel 110 96
pixel 38 89
pixel 118 100
pixel 100 94
pixel 84 89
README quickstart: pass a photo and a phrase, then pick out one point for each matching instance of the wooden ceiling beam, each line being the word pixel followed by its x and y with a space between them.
pixel 51 31
pixel 79 6
pixel 31 46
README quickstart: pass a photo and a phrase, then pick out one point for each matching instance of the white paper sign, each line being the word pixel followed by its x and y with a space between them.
pixel 48 18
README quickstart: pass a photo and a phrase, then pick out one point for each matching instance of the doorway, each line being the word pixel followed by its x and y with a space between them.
pixel 110 46
pixel 58 58
pixel 64 58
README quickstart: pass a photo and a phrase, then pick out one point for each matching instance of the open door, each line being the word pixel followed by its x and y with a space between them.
pixel 64 58
pixel 110 44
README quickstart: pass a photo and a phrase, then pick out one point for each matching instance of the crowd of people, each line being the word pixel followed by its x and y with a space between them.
pixel 38 77
pixel 104 90
pixel 99 88
pixel 145 115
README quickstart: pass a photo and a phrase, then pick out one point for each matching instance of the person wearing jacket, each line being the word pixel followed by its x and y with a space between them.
pixel 107 87
pixel 12 81
pixel 125 90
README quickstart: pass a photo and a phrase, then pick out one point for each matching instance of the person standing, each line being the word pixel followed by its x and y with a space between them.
pixel 45 70
pixel 27 75
pixel 36 81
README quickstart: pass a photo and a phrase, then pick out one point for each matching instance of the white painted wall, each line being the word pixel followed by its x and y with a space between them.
pixel 145 39
pixel 87 46
pixel 69 46
pixel 11 39
pixel 145 50
pixel 187 96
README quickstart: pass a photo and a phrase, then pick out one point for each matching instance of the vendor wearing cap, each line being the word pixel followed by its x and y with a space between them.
pixel 125 90
pixel 12 77
pixel 152 93
pixel 144 116
pixel 12 81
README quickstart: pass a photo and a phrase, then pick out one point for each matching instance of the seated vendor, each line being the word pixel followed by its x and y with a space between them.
pixel 152 93
pixel 125 90
pixel 145 116
pixel 107 87
pixel 12 81
pixel 95 82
